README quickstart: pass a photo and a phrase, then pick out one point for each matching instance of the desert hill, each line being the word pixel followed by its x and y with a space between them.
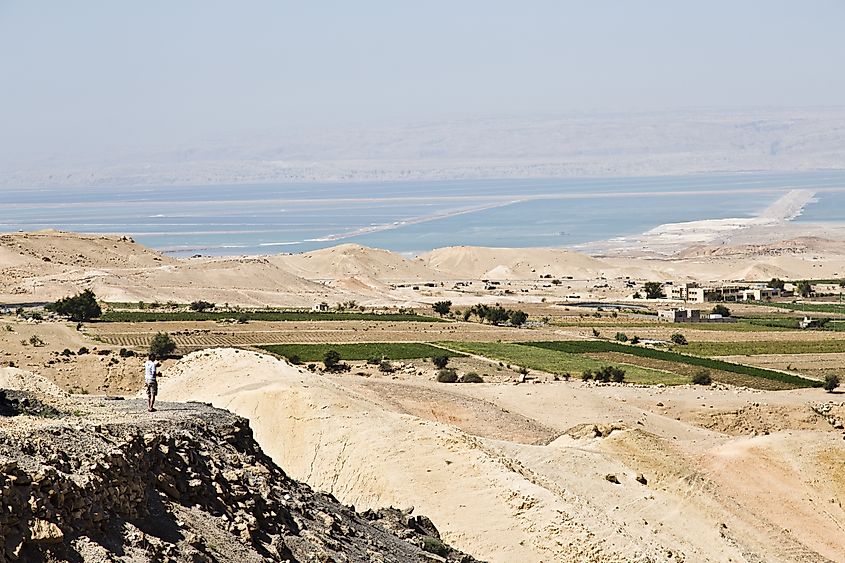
pixel 57 248
pixel 800 245
pixel 622 481
pixel 353 260
pixel 44 266
pixel 470 262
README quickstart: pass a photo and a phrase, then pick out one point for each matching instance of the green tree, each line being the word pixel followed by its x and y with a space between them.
pixel 517 318
pixel 721 310
pixel 653 290
pixel 831 382
pixel 331 360
pixel 162 345
pixel 804 288
pixel 621 337
pixel 81 307
pixel 679 339
pixel 442 307
pixel 440 361
pixel 777 283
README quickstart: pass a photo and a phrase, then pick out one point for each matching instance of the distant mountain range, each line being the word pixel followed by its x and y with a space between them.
pixel 641 144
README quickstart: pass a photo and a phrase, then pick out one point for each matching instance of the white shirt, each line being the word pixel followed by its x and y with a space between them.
pixel 150 371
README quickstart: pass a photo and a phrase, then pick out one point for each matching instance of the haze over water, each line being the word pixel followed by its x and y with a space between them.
pixel 409 216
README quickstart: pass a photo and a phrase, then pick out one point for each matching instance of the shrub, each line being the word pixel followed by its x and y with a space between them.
pixel 103 352
pixel 82 351
pixel 472 377
pixel 311 367
pixel 294 359
pixel 374 361
pixel 621 337
pixel 635 340
pixel 331 359
pixel 67 352
pixel 522 370
pixel 440 361
pixel 702 377
pixel 201 306
pixel 586 375
pixel 679 339
pixel 124 353
pixel 386 367
pixel 618 375
pixel 596 333
pixel 162 345
pixel 80 307
pixel 447 375
pixel 721 310
pixel 831 382
pixel 36 341
pixel 435 546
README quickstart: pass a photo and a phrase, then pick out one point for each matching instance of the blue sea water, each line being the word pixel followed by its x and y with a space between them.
pixel 409 216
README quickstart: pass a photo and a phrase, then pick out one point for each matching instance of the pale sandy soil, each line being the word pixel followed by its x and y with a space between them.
pixel 517 472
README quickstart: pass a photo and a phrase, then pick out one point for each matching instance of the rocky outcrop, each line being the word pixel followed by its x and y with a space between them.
pixel 193 487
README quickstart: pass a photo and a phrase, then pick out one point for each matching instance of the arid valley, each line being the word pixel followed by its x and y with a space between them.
pixel 531 454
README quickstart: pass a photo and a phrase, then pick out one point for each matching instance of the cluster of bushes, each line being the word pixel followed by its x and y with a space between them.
pixel 449 375
pixel 604 374
pixel 496 315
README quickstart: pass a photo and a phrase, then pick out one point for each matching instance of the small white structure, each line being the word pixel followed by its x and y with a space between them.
pixel 320 307
pixel 679 315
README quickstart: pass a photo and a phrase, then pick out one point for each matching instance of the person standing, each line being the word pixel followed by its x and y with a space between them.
pixel 150 381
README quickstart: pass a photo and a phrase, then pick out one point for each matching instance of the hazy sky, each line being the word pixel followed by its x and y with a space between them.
pixel 86 76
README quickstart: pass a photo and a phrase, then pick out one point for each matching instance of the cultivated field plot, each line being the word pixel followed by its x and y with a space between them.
pixel 374 350
pixel 809 307
pixel 557 362
pixel 252 315
pixel 811 365
pixel 716 332
pixel 763 347
pixel 207 334
pixel 749 376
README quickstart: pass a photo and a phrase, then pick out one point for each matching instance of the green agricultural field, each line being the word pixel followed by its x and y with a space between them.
pixel 164 316
pixel 363 351
pixel 809 307
pixel 600 346
pixel 553 361
pixel 764 347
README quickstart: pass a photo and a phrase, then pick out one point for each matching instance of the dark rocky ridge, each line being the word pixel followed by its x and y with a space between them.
pixel 190 485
